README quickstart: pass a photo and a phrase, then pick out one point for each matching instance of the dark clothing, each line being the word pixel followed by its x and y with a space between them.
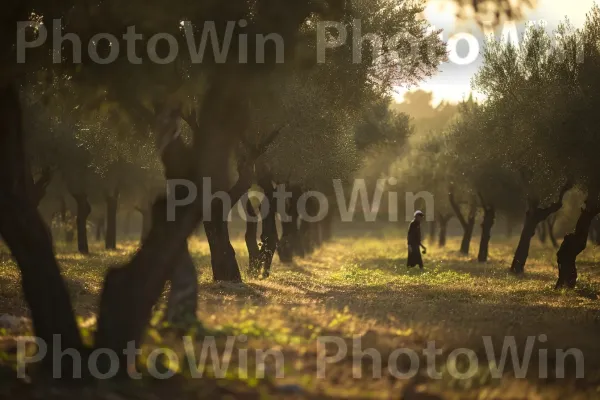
pixel 414 233
pixel 414 243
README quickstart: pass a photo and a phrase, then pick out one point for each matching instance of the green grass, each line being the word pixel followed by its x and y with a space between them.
pixel 361 286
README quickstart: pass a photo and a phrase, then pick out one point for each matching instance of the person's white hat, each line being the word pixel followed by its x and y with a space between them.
pixel 419 212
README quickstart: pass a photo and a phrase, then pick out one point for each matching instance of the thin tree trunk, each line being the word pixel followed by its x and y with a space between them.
pixel 443 222
pixel 112 206
pixel 251 241
pixel 489 217
pixel 291 243
pixel 83 212
pixel 522 251
pixel 467 223
pixel 573 244
pixel 269 237
pixel 465 243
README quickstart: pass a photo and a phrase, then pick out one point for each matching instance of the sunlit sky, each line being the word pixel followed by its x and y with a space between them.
pixel 452 83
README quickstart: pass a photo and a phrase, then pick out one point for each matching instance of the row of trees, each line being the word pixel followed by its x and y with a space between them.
pixel 530 143
pixel 291 123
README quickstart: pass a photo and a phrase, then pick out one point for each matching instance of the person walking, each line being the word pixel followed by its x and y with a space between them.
pixel 414 241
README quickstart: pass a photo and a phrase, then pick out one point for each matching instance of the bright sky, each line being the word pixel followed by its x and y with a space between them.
pixel 452 83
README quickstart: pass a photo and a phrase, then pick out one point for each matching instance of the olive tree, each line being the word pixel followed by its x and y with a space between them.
pixel 523 92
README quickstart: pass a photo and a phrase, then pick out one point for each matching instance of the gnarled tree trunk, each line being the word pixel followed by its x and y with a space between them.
pixel 574 243
pixel 222 255
pixel 522 251
pixel 534 215
pixel 489 217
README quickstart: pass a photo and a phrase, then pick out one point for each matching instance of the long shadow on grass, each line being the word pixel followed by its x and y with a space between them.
pixel 460 318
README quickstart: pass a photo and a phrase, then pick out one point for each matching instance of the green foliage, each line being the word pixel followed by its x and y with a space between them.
pixel 540 107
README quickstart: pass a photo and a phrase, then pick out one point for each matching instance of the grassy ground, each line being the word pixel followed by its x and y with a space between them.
pixel 360 287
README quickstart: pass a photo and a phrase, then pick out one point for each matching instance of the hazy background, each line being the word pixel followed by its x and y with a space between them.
pixel 452 83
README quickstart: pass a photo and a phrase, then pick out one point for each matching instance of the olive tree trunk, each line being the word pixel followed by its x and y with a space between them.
pixel 489 218
pixel 222 255
pixel 28 237
pixel 251 241
pixel 443 220
pixel 290 244
pixel 84 209
pixel 573 244
pixel 534 215
pixel 467 223
pixel 269 236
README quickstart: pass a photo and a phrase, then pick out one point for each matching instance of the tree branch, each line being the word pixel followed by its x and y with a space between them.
pixel 544 213
pixel 456 209
pixel 258 150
